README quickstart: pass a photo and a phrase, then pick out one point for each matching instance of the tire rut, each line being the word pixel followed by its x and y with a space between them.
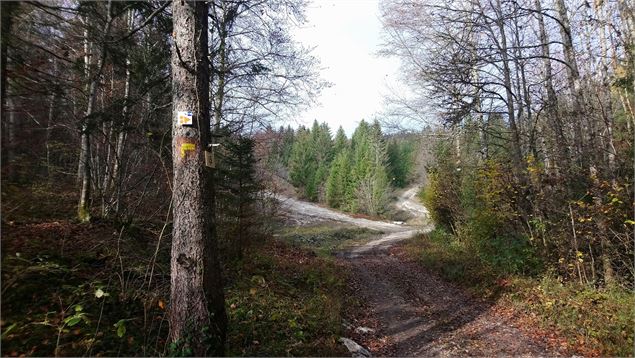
pixel 420 314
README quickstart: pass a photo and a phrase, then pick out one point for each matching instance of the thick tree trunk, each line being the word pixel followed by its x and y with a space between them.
pixel 197 309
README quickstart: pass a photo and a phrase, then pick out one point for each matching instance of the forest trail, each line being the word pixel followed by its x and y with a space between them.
pixel 414 311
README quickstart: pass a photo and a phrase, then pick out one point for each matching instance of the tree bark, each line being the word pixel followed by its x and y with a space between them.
pixel 7 10
pixel 552 100
pixel 115 180
pixel 51 119
pixel 573 78
pixel 197 312
pixel 509 95
pixel 83 207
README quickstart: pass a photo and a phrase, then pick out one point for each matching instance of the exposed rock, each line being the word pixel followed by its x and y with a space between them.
pixel 355 349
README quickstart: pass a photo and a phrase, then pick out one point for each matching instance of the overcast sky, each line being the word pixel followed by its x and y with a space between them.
pixel 346 37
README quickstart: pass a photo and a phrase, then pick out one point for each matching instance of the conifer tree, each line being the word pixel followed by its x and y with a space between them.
pixel 400 161
pixel 302 163
pixel 338 179
pixel 310 160
pixel 287 144
pixel 340 142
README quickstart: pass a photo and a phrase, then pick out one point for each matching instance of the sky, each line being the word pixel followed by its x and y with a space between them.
pixel 346 35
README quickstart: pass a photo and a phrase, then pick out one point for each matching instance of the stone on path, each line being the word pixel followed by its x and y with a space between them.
pixel 355 349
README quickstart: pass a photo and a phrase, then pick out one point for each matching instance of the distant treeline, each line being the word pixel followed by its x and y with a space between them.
pixel 355 175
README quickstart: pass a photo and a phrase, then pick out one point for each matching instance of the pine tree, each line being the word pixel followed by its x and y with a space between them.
pixel 236 199
pixel 400 161
pixel 338 179
pixel 360 165
pixel 340 142
pixel 302 163
pixel 287 145
pixel 310 160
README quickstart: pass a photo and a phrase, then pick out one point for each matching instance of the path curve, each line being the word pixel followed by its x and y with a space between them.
pixel 418 313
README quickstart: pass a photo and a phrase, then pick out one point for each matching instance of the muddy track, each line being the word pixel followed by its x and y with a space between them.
pixel 417 313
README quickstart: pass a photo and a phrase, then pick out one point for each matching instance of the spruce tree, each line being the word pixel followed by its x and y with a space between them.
pixel 337 181
pixel 340 142
pixel 302 159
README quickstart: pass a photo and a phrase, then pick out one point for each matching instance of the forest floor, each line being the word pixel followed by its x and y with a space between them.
pixel 410 310
pixel 88 289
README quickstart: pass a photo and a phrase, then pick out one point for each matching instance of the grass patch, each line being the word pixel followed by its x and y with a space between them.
pixel 593 321
pixel 325 240
pixel 454 260
pixel 285 301
pixel 599 322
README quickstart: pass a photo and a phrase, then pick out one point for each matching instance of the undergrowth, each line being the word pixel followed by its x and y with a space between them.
pixel 72 289
pixel 284 302
pixel 594 321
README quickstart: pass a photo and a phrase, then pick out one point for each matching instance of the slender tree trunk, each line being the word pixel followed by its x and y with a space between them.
pixel 561 141
pixel 51 120
pixel 509 99
pixel 87 62
pixel 607 109
pixel 573 78
pixel 116 178
pixel 83 207
pixel 197 310
pixel 605 243
pixel 7 8
pixel 607 115
pixel 9 146
pixel 220 88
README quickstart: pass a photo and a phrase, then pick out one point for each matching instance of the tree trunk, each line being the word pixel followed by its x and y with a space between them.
pixel 509 98
pixel 115 181
pixel 607 109
pixel 564 156
pixel 83 207
pixel 51 120
pixel 197 312
pixel 7 8
pixel 6 13
pixel 10 144
pixel 87 61
pixel 573 78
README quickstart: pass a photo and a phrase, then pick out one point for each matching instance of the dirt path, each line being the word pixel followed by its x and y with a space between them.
pixel 417 313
